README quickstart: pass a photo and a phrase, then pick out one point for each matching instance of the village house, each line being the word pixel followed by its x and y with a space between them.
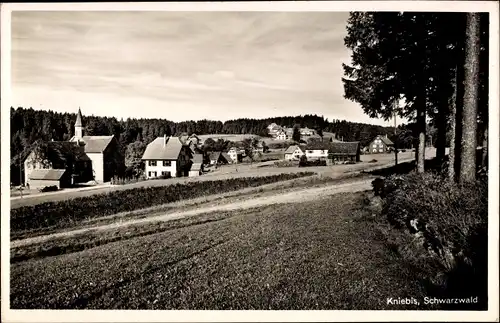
pixel 307 132
pixel 273 129
pixel 85 158
pixel 259 148
pixel 380 144
pixel 218 158
pixel 59 163
pixel 341 152
pixel 293 153
pixel 317 150
pixel 281 135
pixel 235 154
pixel 166 157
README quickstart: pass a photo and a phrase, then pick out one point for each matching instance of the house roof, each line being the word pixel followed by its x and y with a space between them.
pixel 344 148
pixel 159 149
pixel 214 155
pixel 386 140
pixel 226 156
pixel 291 149
pixel 47 174
pixel 96 144
pixel 78 122
pixel 197 158
pixel 317 145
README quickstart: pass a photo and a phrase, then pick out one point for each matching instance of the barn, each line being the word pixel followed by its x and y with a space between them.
pixel 341 152
pixel 39 178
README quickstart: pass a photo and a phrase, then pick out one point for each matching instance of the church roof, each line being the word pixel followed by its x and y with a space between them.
pixel 96 144
pixel 78 122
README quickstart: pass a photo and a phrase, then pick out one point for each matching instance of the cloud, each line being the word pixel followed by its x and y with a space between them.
pixel 217 65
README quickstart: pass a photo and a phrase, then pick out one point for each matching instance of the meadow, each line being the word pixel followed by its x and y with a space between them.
pixel 292 256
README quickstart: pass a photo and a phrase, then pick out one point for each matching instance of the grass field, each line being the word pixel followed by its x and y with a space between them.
pixel 322 254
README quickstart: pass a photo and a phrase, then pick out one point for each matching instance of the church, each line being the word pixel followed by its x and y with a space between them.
pixel 79 160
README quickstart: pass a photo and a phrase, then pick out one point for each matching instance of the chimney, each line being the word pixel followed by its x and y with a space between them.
pixel 164 140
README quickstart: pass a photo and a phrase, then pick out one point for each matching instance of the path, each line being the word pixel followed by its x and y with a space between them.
pixel 297 196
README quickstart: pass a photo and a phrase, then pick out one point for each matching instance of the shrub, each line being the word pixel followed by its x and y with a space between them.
pixel 442 228
pixel 51 188
pixel 64 213
pixel 303 161
pixel 285 163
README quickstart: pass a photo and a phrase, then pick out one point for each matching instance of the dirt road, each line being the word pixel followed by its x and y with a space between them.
pixel 297 196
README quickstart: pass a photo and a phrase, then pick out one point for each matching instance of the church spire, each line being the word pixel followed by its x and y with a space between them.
pixel 78 125
pixel 78 122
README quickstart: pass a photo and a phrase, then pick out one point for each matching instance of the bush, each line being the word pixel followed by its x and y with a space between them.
pixel 64 213
pixel 442 229
pixel 51 188
pixel 286 163
pixel 303 161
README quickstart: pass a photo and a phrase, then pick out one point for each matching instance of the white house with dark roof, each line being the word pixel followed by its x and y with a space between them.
pixel 380 144
pixel 293 153
pixel 103 151
pixel 166 156
pixel 235 154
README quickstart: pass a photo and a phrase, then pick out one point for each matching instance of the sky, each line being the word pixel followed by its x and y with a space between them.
pixel 183 65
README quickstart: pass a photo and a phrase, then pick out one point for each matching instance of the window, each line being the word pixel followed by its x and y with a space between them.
pixel 309 151
pixel 374 146
pixel 154 174
pixel 374 150
pixel 381 150
pixel 149 174
pixel 167 163
pixel 152 163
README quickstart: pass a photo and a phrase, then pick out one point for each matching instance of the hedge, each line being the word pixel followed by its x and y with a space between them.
pixel 439 227
pixel 64 213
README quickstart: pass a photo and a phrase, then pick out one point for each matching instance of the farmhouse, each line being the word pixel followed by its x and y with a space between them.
pixel 315 150
pixel 166 157
pixel 59 155
pixel 293 153
pixel 39 178
pixel 103 151
pixel 381 144
pixel 342 152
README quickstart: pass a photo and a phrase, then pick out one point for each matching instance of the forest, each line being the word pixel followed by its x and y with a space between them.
pixel 429 68
pixel 29 126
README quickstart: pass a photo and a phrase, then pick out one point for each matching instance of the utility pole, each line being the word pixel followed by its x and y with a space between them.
pixel 395 135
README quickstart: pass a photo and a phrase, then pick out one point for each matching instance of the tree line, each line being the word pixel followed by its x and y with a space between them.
pixel 427 67
pixel 29 127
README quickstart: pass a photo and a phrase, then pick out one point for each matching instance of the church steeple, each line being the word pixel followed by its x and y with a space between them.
pixel 78 125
